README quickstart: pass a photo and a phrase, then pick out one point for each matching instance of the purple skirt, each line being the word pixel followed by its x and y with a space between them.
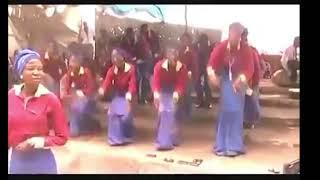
pixel 80 117
pixel 167 127
pixel 252 107
pixel 229 135
pixel 36 161
pixel 120 122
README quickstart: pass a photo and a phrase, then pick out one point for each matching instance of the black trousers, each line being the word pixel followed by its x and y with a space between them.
pixel 203 89
pixel 293 66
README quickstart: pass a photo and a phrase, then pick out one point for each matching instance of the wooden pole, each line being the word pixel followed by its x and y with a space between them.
pixel 186 17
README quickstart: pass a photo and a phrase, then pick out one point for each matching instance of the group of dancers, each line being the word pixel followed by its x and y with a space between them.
pixel 34 112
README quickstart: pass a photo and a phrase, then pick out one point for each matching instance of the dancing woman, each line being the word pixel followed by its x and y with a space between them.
pixel 169 84
pixel 120 82
pixel 231 67
pixel 77 92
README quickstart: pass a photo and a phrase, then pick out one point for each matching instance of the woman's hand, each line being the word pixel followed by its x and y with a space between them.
pixel 213 78
pixel 129 99
pixel 156 99
pixel 101 91
pixel 238 83
pixel 24 146
pixel 189 74
pixel 175 97
pixel 80 93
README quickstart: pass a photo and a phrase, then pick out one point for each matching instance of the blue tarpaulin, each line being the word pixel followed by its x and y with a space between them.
pixel 153 10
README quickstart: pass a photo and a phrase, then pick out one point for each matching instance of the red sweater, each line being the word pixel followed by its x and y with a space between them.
pixel 83 81
pixel 122 80
pixel 244 63
pixel 190 59
pixel 165 76
pixel 35 118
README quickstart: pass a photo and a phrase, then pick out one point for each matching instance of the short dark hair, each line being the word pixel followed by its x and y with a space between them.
pixel 203 38
pixel 186 35
pixel 143 26
pixel 129 30
pixel 245 32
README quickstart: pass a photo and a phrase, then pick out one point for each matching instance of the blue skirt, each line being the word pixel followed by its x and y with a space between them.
pixel 80 117
pixel 167 126
pixel 252 110
pixel 35 161
pixel 120 122
pixel 230 118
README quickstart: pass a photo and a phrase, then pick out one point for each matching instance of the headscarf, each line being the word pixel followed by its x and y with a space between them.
pixel 22 58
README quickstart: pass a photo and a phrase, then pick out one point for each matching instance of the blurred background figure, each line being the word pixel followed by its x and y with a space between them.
pixel 53 67
pixel 204 97
pixel 188 56
pixel 144 64
pixel 291 60
pixel 252 106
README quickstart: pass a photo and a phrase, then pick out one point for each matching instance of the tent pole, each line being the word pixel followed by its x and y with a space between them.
pixel 186 17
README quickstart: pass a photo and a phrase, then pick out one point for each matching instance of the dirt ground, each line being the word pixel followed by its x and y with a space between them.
pixel 269 146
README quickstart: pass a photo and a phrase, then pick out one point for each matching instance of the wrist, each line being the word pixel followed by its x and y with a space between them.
pixel 210 71
pixel 175 94
pixel 156 95
pixel 37 142
pixel 128 96
pixel 242 78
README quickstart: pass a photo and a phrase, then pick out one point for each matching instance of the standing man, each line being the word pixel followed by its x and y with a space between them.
pixel 144 62
pixel 188 56
pixel 252 106
pixel 202 86
pixel 290 60
pixel 53 65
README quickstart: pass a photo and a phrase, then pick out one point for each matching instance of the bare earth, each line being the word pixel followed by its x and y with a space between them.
pixel 269 146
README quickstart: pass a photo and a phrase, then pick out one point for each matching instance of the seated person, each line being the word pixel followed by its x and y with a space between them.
pixel 290 60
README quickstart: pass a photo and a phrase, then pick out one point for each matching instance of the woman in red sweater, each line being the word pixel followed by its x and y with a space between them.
pixel 231 67
pixel 169 84
pixel 32 112
pixel 77 93
pixel 120 82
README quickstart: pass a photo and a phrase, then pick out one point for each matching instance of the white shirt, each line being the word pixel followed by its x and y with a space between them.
pixel 289 54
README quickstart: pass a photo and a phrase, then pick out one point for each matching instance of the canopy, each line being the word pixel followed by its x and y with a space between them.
pixel 272 28
pixel 62 25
